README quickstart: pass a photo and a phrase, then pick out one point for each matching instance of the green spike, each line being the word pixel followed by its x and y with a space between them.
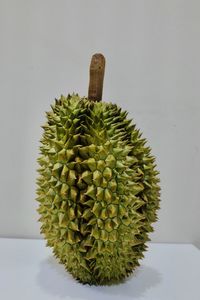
pixel 91 164
pixel 70 237
pixel 87 177
pixel 62 155
pixel 122 210
pixel 108 196
pixel 57 170
pixel 89 203
pixel 100 223
pixel 63 232
pixel 110 161
pixel 81 185
pixel 102 153
pixel 58 184
pixel 71 177
pixel 52 151
pixel 71 214
pixel 97 177
pixel 115 222
pixel 112 210
pixel 112 185
pixel 131 159
pixel 104 235
pixel 100 245
pixel 107 173
pixel 61 217
pixel 69 154
pixel 97 209
pixel 113 236
pixel 126 221
pixel 104 183
pixel 87 214
pixel 108 225
pixel 88 241
pixel 147 184
pixel 104 214
pixel 83 264
pixel 101 165
pixel 51 192
pixel 91 254
pixel 53 180
pixel 40 199
pixel 100 193
pixel 83 151
pixel 73 193
pixel 120 165
pixel 64 190
pixel 92 221
pixel 73 226
pixel 64 173
pixel 136 188
pixel 117 151
pixel 43 160
pixel 95 232
pixel 63 206
pixel 57 199
pixel 91 191
pixel 126 150
pixel 92 150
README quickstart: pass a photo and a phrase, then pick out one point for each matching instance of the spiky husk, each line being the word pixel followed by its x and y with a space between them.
pixel 98 189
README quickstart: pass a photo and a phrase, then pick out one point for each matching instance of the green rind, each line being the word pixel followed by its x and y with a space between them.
pixel 98 189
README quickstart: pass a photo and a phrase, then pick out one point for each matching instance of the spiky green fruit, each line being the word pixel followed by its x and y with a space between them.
pixel 98 189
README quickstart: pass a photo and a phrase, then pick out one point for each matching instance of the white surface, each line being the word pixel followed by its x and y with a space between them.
pixel 29 271
pixel 152 50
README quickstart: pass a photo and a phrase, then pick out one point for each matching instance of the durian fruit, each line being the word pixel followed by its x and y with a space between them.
pixel 98 189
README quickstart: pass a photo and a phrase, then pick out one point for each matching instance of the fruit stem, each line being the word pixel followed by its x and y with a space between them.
pixel 97 68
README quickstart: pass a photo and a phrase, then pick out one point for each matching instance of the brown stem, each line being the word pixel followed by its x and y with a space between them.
pixel 97 68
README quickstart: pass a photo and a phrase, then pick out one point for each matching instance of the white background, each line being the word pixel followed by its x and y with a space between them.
pixel 153 69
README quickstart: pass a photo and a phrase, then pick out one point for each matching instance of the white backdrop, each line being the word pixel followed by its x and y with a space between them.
pixel 153 69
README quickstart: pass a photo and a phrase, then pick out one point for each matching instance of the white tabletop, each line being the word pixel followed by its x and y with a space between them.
pixel 29 271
